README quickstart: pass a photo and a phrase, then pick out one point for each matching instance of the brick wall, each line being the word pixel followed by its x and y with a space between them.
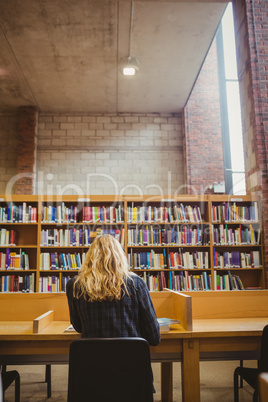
pixel 28 118
pixel 251 27
pixel 8 151
pixel 248 103
pixel 203 139
pixel 108 154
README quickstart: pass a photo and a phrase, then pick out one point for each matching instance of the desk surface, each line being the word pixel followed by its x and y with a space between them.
pixel 23 330
pixel 228 327
pixel 11 330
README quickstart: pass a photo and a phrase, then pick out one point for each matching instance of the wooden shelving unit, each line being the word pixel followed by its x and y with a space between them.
pixel 169 241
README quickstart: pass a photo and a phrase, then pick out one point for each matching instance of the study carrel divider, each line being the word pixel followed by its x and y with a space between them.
pixel 20 307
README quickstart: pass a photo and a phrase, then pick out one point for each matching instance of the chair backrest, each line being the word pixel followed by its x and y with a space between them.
pixel 263 387
pixel 1 388
pixel 264 350
pixel 110 370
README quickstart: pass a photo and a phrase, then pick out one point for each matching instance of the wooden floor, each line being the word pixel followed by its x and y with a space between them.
pixel 216 383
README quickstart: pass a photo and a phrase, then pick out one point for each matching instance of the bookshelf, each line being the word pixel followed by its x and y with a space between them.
pixel 184 243
pixel 237 241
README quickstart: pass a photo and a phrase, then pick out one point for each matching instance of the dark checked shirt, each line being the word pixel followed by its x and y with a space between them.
pixel 131 316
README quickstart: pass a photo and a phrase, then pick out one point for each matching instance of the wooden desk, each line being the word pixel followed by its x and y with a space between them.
pixel 223 338
pixel 210 339
pixel 19 345
pixel 227 325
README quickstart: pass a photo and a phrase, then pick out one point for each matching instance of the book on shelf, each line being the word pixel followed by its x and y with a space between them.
pixel 17 283
pixel 236 259
pixel 59 213
pixel 49 284
pixel 185 281
pixel 163 214
pixel 156 282
pixel 223 235
pixel 164 323
pixel 103 214
pixel 147 260
pixel 8 237
pixel 176 235
pixel 22 213
pixel 188 259
pixel 231 212
pixel 76 237
pixel 64 261
pixel 12 260
pixel 228 282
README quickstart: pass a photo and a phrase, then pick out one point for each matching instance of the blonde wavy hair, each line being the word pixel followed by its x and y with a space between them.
pixel 104 273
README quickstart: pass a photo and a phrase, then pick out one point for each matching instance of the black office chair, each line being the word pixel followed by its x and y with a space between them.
pixel 7 378
pixel 110 370
pixel 250 375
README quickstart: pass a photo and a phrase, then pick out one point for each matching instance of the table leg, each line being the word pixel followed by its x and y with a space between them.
pixel 190 374
pixel 166 382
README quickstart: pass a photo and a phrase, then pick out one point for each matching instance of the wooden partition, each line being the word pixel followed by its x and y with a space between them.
pixel 174 305
pixel 27 307
pixel 229 304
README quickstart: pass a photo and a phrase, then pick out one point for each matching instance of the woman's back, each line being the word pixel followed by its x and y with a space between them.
pixel 131 316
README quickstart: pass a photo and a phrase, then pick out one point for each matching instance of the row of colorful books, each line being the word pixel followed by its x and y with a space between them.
pixel 76 237
pixel 14 260
pixel 17 283
pixel 229 236
pixel 59 214
pixel 188 260
pixel 156 282
pixel 181 281
pixel 231 212
pixel 176 213
pixel 49 284
pixel 178 235
pixel 236 259
pixel 89 214
pixel 147 260
pixel 8 237
pixel 176 260
pixel 184 281
pixel 109 214
pixel 53 284
pixel 65 261
pixel 228 282
pixel 21 213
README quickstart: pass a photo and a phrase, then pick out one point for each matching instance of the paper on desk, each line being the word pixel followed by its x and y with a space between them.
pixel 70 329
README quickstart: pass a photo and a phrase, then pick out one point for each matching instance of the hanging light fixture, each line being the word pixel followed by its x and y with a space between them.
pixel 130 65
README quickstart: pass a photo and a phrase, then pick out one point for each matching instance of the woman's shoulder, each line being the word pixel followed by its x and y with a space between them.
pixel 70 284
pixel 136 280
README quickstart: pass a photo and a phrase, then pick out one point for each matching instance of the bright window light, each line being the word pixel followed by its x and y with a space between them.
pixel 233 103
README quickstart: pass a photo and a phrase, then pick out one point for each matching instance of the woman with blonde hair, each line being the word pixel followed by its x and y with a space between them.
pixel 106 300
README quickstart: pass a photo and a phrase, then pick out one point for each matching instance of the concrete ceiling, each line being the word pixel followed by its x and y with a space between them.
pixel 63 55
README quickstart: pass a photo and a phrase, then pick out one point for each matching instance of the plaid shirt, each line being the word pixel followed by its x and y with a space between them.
pixel 131 316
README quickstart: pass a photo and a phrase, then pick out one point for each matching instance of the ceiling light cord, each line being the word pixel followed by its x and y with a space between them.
pixel 130 29
pixel 129 65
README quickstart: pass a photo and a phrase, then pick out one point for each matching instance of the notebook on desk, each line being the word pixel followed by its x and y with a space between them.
pixel 165 323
